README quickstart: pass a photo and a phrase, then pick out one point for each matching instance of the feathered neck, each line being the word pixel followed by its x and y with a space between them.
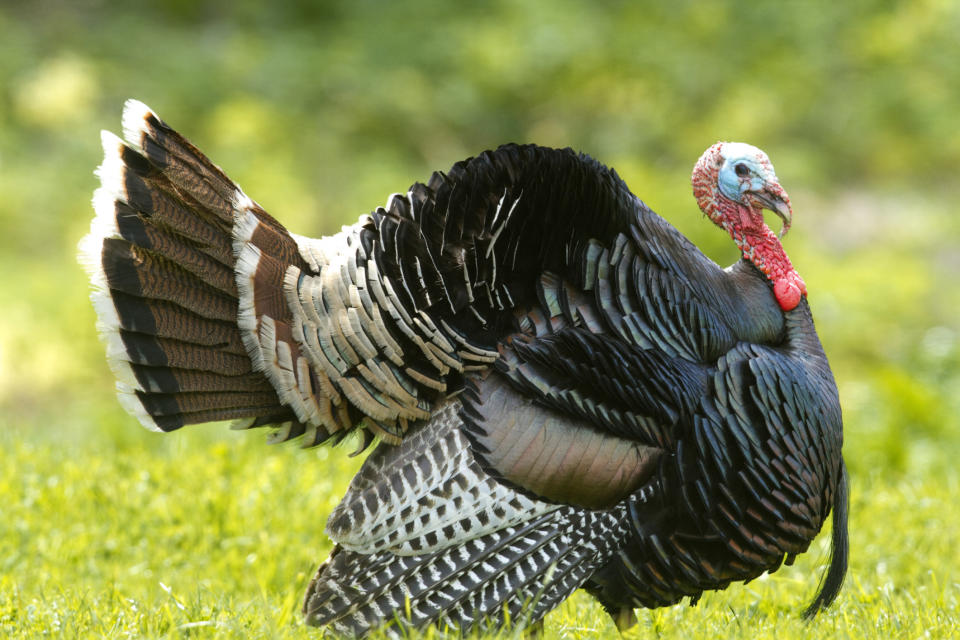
pixel 757 242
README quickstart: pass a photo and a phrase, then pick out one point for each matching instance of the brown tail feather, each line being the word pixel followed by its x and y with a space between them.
pixel 173 422
pixel 194 257
pixel 163 379
pixel 178 404
pixel 197 181
pixel 150 193
pixel 144 273
pixel 160 255
pixel 175 354
pixel 167 320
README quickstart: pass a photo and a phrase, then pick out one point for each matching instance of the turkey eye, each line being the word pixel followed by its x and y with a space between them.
pixel 741 170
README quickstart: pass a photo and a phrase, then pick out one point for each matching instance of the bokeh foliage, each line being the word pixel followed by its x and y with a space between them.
pixel 322 109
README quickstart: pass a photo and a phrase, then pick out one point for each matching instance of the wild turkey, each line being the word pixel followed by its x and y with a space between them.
pixel 564 390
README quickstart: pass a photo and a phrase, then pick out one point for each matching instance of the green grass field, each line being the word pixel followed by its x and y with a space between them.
pixel 212 533
pixel 320 110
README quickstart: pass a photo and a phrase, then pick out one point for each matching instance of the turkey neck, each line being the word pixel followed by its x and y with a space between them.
pixel 760 245
pixel 757 242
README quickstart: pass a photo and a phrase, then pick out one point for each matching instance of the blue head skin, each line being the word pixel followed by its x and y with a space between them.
pixel 746 176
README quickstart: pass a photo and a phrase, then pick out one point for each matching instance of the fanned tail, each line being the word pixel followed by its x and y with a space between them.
pixel 161 260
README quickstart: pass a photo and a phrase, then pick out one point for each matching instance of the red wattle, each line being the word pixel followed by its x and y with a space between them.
pixel 787 294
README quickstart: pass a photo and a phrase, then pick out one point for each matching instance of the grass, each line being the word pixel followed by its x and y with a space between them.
pixel 112 531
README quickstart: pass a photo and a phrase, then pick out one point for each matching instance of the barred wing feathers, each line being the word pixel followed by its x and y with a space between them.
pixel 446 543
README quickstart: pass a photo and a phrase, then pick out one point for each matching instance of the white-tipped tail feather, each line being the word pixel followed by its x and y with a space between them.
pixel 102 227
pixel 135 115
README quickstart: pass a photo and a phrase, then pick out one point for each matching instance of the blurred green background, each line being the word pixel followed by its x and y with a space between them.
pixel 321 109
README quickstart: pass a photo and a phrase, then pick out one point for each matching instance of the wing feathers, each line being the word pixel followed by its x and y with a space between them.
pixel 426 536
pixel 426 491
pixel 549 454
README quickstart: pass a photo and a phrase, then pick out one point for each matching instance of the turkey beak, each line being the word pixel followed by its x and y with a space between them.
pixel 775 199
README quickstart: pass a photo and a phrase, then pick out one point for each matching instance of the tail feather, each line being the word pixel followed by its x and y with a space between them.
pixel 151 351
pixel 197 181
pixel 185 253
pixel 160 258
pixel 195 178
pixel 173 422
pixel 166 320
pixel 175 404
pixel 378 321
pixel 144 273
pixel 159 379
pixel 133 185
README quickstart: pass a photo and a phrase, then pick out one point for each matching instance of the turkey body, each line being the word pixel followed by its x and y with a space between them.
pixel 564 392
